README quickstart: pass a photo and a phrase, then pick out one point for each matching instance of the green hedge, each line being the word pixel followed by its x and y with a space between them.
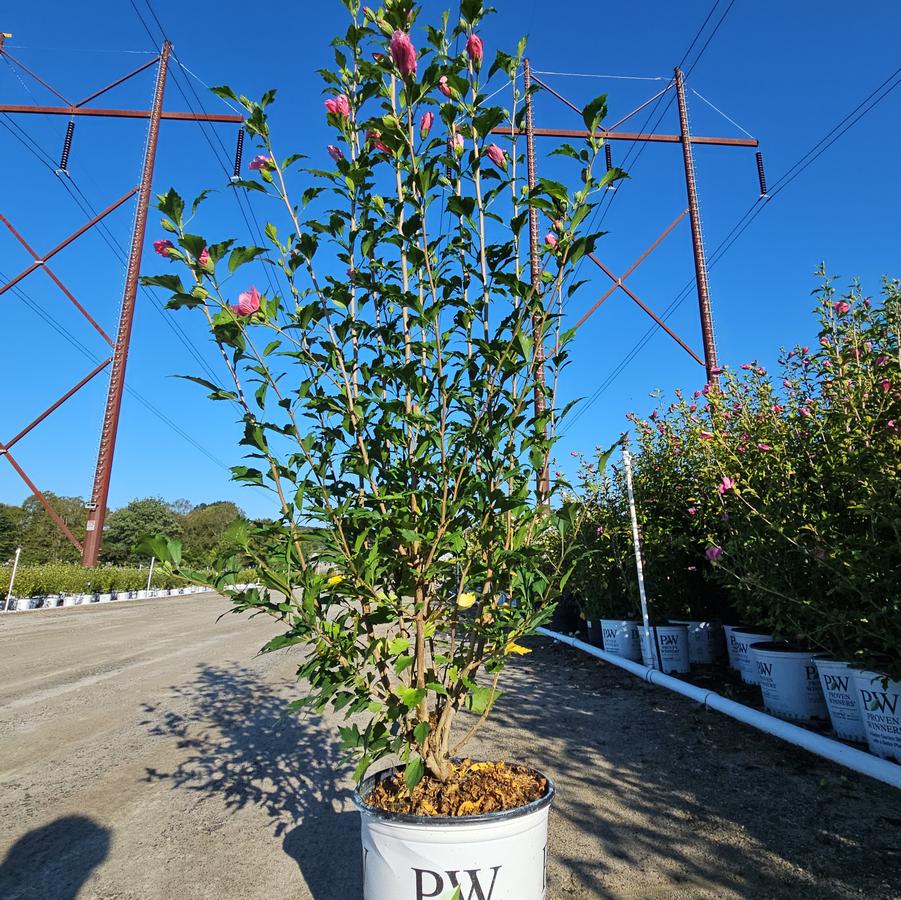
pixel 67 578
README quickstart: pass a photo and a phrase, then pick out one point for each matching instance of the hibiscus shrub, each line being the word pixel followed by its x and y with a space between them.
pixel 790 487
pixel 387 392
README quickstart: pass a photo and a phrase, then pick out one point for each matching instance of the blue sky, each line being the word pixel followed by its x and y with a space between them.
pixel 785 72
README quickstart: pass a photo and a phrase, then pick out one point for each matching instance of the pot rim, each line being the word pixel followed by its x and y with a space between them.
pixel 782 648
pixel 753 633
pixel 370 781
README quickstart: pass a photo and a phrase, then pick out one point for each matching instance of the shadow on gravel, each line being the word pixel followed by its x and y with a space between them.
pixel 245 749
pixel 662 798
pixel 54 861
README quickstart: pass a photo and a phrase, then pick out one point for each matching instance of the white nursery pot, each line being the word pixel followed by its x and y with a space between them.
pixel 501 856
pixel 621 638
pixel 741 641
pixel 731 644
pixel 837 682
pixel 702 640
pixel 672 643
pixel 789 681
pixel 880 709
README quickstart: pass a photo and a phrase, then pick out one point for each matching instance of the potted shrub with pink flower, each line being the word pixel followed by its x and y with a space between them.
pixel 387 395
pixel 795 483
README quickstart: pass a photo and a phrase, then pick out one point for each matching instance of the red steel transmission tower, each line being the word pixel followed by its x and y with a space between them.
pixel 687 140
pixel 99 495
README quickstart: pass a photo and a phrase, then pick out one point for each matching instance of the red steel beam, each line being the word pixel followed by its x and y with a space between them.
pixel 90 224
pixel 575 108
pixel 640 107
pixel 120 113
pixel 697 238
pixel 542 486
pixel 96 370
pixel 647 309
pixel 118 81
pixel 618 282
pixel 60 523
pixel 35 76
pixel 109 429
pixel 56 280
pixel 623 136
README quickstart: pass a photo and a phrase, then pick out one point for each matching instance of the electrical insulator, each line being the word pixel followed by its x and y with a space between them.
pixel 761 175
pixel 239 151
pixel 609 156
pixel 67 146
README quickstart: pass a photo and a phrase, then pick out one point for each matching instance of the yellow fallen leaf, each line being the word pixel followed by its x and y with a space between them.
pixel 335 579
pixel 513 647
pixel 465 600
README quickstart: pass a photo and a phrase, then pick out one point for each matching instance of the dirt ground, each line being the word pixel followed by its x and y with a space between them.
pixel 144 753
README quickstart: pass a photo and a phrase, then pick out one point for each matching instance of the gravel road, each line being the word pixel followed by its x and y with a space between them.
pixel 144 753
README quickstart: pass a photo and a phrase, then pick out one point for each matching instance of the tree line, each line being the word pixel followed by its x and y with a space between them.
pixel 203 529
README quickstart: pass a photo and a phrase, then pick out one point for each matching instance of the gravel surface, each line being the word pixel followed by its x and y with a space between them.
pixel 145 753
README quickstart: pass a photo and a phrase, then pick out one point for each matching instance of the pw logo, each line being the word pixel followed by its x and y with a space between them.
pixel 837 683
pixel 432 884
pixel 879 701
pixel 669 640
pixel 765 668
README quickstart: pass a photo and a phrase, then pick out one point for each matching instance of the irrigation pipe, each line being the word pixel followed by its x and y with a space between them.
pixel 834 751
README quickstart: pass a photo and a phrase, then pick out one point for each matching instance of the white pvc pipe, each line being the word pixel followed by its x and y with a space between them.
pixel 12 579
pixel 851 758
pixel 150 573
pixel 649 636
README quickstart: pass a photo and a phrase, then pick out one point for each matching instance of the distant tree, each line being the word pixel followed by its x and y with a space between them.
pixel 10 530
pixel 40 537
pixel 140 518
pixel 204 530
pixel 181 507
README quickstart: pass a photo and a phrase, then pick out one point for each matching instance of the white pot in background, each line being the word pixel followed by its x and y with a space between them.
pixel 837 682
pixel 731 645
pixel 741 640
pixel 789 681
pixel 71 599
pixel 502 856
pixel 879 700
pixel 23 603
pixel 702 640
pixel 52 602
pixel 621 638
pixel 672 645
pixel 105 598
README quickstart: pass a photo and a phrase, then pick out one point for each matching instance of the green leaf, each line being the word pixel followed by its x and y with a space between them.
pixel 594 113
pixel 479 698
pixel 421 732
pixel 414 773
pixel 241 255
pixel 411 696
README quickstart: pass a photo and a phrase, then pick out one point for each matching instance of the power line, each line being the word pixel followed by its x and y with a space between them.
pixel 258 237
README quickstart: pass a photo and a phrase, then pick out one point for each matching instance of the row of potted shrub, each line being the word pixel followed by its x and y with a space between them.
pixel 55 579
pixel 772 501
pixel 54 601
pixel 796 684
